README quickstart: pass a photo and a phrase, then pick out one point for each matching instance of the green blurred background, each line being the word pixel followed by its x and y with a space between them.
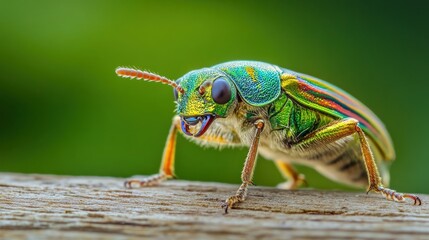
pixel 63 110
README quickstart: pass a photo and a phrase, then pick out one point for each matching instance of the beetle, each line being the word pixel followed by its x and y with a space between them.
pixel 285 116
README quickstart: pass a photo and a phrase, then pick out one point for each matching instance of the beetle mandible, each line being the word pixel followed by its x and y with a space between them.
pixel 288 117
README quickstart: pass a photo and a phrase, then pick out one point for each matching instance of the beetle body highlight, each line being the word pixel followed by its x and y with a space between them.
pixel 288 117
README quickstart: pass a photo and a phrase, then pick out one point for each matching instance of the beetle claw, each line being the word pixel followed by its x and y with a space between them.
pixel 417 200
pixel 225 206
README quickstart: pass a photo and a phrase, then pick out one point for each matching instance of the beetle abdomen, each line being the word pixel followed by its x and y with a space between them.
pixel 348 167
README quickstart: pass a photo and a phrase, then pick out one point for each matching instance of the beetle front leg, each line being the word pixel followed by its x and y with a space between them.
pixel 347 127
pixel 167 165
pixel 249 167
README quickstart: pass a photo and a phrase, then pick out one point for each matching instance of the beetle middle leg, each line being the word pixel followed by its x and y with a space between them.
pixel 249 167
pixel 294 179
pixel 341 129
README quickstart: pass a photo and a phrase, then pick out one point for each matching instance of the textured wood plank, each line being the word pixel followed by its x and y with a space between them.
pixel 62 207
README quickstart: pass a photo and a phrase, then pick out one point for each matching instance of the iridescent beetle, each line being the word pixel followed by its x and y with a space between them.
pixel 286 116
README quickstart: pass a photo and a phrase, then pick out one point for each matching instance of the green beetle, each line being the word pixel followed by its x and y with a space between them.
pixel 288 117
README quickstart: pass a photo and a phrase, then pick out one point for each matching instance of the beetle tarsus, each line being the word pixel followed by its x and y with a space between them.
pixel 146 182
pixel 231 201
pixel 398 197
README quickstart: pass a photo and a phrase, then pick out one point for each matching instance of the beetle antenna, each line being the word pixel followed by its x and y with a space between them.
pixel 139 74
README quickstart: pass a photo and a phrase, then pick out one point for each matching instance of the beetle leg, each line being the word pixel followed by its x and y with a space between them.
pixel 398 197
pixel 210 138
pixel 346 127
pixel 249 166
pixel 167 165
pixel 294 179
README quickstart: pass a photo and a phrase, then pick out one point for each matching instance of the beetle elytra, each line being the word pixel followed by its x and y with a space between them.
pixel 288 117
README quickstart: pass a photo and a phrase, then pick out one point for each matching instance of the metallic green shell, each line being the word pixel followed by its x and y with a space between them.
pixel 329 99
pixel 258 83
pixel 295 120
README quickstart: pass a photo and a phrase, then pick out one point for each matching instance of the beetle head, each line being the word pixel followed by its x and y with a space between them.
pixel 201 96
pixel 208 94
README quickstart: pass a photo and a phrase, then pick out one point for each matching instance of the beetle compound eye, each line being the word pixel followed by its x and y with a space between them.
pixel 221 91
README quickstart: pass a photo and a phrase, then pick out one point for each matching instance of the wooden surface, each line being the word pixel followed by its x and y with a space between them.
pixel 62 207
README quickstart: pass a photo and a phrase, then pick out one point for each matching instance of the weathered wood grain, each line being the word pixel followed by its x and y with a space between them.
pixel 62 207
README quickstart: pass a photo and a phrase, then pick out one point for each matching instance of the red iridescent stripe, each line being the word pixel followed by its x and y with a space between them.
pixel 327 98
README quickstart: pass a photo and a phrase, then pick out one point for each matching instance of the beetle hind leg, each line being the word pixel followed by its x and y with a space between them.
pixel 294 178
pixel 375 183
pixel 347 127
